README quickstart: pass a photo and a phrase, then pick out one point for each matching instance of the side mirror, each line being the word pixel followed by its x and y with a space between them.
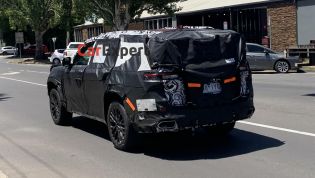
pixel 266 51
pixel 66 61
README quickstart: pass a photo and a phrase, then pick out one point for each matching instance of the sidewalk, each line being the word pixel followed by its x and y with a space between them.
pixel 25 60
pixel 308 68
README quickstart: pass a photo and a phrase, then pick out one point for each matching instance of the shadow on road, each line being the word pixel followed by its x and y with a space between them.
pixel 93 127
pixel 311 94
pixel 3 97
pixel 184 146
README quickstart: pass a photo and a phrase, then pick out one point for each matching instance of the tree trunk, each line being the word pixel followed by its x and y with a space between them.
pixel 39 44
pixel 122 16
pixel 68 38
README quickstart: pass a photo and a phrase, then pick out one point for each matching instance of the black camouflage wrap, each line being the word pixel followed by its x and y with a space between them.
pixel 194 56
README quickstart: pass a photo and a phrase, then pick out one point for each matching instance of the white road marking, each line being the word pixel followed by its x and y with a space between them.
pixel 11 73
pixel 37 72
pixel 278 128
pixel 2 175
pixel 32 83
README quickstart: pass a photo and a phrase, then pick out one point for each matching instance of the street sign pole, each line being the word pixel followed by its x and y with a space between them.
pixel 19 39
pixel 20 51
pixel 54 40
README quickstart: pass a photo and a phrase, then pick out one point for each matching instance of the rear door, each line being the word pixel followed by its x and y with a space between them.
pixel 11 50
pixel 95 79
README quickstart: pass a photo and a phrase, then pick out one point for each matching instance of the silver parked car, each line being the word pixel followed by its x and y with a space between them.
pixel 262 58
pixel 57 56
pixel 8 50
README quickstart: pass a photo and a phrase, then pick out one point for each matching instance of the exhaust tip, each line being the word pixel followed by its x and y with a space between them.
pixel 167 126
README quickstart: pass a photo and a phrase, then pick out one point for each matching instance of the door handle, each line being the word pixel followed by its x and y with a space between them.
pixel 80 79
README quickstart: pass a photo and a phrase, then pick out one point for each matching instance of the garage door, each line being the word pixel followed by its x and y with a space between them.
pixel 306 21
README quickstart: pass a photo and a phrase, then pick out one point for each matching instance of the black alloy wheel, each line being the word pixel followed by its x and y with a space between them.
pixel 56 61
pixel 58 112
pixel 120 131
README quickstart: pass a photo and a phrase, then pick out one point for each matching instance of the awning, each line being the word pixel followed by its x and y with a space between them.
pixel 190 6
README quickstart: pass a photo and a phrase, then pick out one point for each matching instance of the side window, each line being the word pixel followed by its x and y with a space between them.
pixel 81 60
pixel 99 57
pixel 255 49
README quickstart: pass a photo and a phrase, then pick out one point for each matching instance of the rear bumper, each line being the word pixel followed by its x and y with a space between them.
pixel 187 118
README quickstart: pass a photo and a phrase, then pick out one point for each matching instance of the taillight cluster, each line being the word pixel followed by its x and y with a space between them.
pixel 159 76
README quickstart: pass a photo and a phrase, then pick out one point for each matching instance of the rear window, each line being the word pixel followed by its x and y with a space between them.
pixel 60 50
pixel 74 46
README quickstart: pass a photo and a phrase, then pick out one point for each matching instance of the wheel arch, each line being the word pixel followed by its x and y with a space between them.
pixel 53 84
pixel 110 97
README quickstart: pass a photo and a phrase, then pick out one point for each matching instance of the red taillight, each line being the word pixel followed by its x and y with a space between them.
pixel 159 76
pixel 194 85
pixel 65 53
pixel 230 80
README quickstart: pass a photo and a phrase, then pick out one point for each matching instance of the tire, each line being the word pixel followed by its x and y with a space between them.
pixel 5 53
pixel 222 129
pixel 56 61
pixel 59 113
pixel 120 131
pixel 282 66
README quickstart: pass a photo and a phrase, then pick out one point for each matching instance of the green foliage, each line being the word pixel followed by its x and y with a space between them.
pixel 119 13
pixel 39 14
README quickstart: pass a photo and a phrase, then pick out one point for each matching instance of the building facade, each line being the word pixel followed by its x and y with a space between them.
pixel 272 23
pixel 278 24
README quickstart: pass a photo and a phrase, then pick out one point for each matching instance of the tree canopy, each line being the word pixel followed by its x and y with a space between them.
pixel 119 13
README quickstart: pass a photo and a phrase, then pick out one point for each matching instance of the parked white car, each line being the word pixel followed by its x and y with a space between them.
pixel 8 50
pixel 57 56
pixel 72 49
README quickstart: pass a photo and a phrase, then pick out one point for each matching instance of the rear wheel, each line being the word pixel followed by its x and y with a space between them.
pixel 120 131
pixel 58 112
pixel 5 53
pixel 282 66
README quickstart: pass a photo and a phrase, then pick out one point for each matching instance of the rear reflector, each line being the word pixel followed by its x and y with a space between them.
pixel 194 85
pixel 132 107
pixel 229 80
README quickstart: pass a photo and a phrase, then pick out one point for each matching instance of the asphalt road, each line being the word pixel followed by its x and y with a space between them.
pixel 279 141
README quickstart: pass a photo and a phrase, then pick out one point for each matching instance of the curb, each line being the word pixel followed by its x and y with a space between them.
pixel 308 68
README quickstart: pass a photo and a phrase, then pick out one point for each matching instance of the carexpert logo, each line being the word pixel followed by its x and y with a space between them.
pixel 131 49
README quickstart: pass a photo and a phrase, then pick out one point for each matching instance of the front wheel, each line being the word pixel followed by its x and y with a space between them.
pixel 282 66
pixel 58 112
pixel 120 131
pixel 56 61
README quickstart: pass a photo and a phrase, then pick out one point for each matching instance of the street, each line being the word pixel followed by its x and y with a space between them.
pixel 278 141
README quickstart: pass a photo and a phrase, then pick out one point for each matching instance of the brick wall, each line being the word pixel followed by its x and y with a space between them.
pixel 136 26
pixel 283 25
